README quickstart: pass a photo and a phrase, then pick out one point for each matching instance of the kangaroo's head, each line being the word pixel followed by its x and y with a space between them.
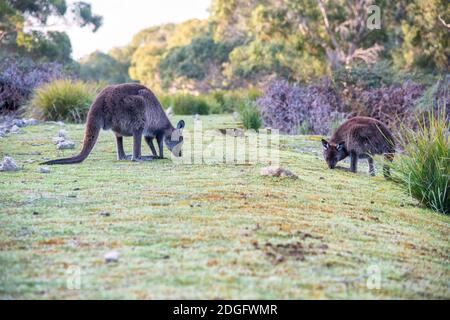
pixel 333 153
pixel 174 141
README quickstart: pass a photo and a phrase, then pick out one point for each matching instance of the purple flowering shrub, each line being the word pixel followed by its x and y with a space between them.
pixel 389 104
pixel 19 78
pixel 289 108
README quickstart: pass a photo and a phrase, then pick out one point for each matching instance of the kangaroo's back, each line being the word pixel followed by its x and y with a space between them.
pixel 365 135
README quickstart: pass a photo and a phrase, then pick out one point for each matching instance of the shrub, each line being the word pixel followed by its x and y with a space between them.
pixel 424 167
pixel 19 78
pixel 289 107
pixel 186 104
pixel 63 100
pixel 391 105
pixel 250 116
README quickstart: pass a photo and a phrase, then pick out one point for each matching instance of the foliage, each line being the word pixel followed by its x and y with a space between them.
pixel 18 78
pixel 187 104
pixel 390 104
pixel 425 41
pixel 289 107
pixel 250 116
pixel 424 167
pixel 193 61
pixel 63 100
pixel 20 21
pixel 100 66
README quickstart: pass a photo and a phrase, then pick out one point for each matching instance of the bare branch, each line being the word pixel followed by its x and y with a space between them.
pixel 447 25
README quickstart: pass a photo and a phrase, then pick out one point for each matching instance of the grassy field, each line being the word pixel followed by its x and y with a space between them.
pixel 210 232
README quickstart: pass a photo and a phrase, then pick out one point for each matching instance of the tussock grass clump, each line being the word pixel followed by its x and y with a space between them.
pixel 424 167
pixel 251 117
pixel 63 100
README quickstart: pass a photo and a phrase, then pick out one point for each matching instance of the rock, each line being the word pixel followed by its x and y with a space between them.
pixel 169 112
pixel 278 172
pixel 15 129
pixel 31 122
pixel 236 116
pixel 19 123
pixel 62 133
pixel 57 140
pixel 112 257
pixel 44 170
pixel 65 145
pixel 197 117
pixel 9 165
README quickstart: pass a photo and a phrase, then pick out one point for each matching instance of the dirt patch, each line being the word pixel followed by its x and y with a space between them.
pixel 297 251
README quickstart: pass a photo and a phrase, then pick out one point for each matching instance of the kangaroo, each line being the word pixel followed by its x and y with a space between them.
pixel 129 110
pixel 359 138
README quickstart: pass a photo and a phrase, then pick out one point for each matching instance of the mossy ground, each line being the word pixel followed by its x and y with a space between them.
pixel 210 232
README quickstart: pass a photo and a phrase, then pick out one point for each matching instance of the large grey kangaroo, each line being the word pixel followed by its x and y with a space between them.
pixel 129 110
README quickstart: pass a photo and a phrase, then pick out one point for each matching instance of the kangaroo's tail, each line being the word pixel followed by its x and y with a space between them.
pixel 90 138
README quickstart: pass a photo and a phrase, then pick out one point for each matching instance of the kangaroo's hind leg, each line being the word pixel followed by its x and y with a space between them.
pixel 120 151
pixel 386 168
pixel 137 144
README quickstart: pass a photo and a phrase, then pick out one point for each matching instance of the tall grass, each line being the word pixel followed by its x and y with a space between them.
pixel 63 100
pixel 250 116
pixel 424 167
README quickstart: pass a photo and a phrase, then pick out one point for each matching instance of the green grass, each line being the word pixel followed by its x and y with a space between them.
pixel 198 231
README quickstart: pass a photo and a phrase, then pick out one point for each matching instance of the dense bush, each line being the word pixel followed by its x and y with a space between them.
pixel 250 116
pixel 391 105
pixel 290 107
pixel 63 100
pixel 186 104
pixel 424 167
pixel 19 78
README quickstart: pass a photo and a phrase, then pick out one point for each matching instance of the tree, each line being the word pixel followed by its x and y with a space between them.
pixel 425 41
pixel 23 24
pixel 100 66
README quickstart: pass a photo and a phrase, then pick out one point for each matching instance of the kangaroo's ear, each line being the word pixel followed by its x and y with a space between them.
pixel 180 124
pixel 325 144
pixel 341 146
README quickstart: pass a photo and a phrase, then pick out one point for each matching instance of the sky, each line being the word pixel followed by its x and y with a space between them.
pixel 122 19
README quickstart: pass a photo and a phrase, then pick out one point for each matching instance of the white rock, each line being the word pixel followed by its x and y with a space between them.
pixel 65 145
pixel 57 140
pixel 15 129
pixel 31 122
pixel 112 257
pixel 44 170
pixel 236 116
pixel 62 133
pixel 9 164
pixel 197 117
pixel 19 122
pixel 278 172
pixel 169 112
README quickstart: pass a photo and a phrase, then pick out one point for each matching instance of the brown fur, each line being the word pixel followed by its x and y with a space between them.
pixel 360 137
pixel 128 110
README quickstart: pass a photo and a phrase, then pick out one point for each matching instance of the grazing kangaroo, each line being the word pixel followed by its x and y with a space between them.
pixel 359 138
pixel 129 110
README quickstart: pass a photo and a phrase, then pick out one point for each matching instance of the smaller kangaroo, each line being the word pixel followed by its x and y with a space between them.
pixel 129 110
pixel 360 138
